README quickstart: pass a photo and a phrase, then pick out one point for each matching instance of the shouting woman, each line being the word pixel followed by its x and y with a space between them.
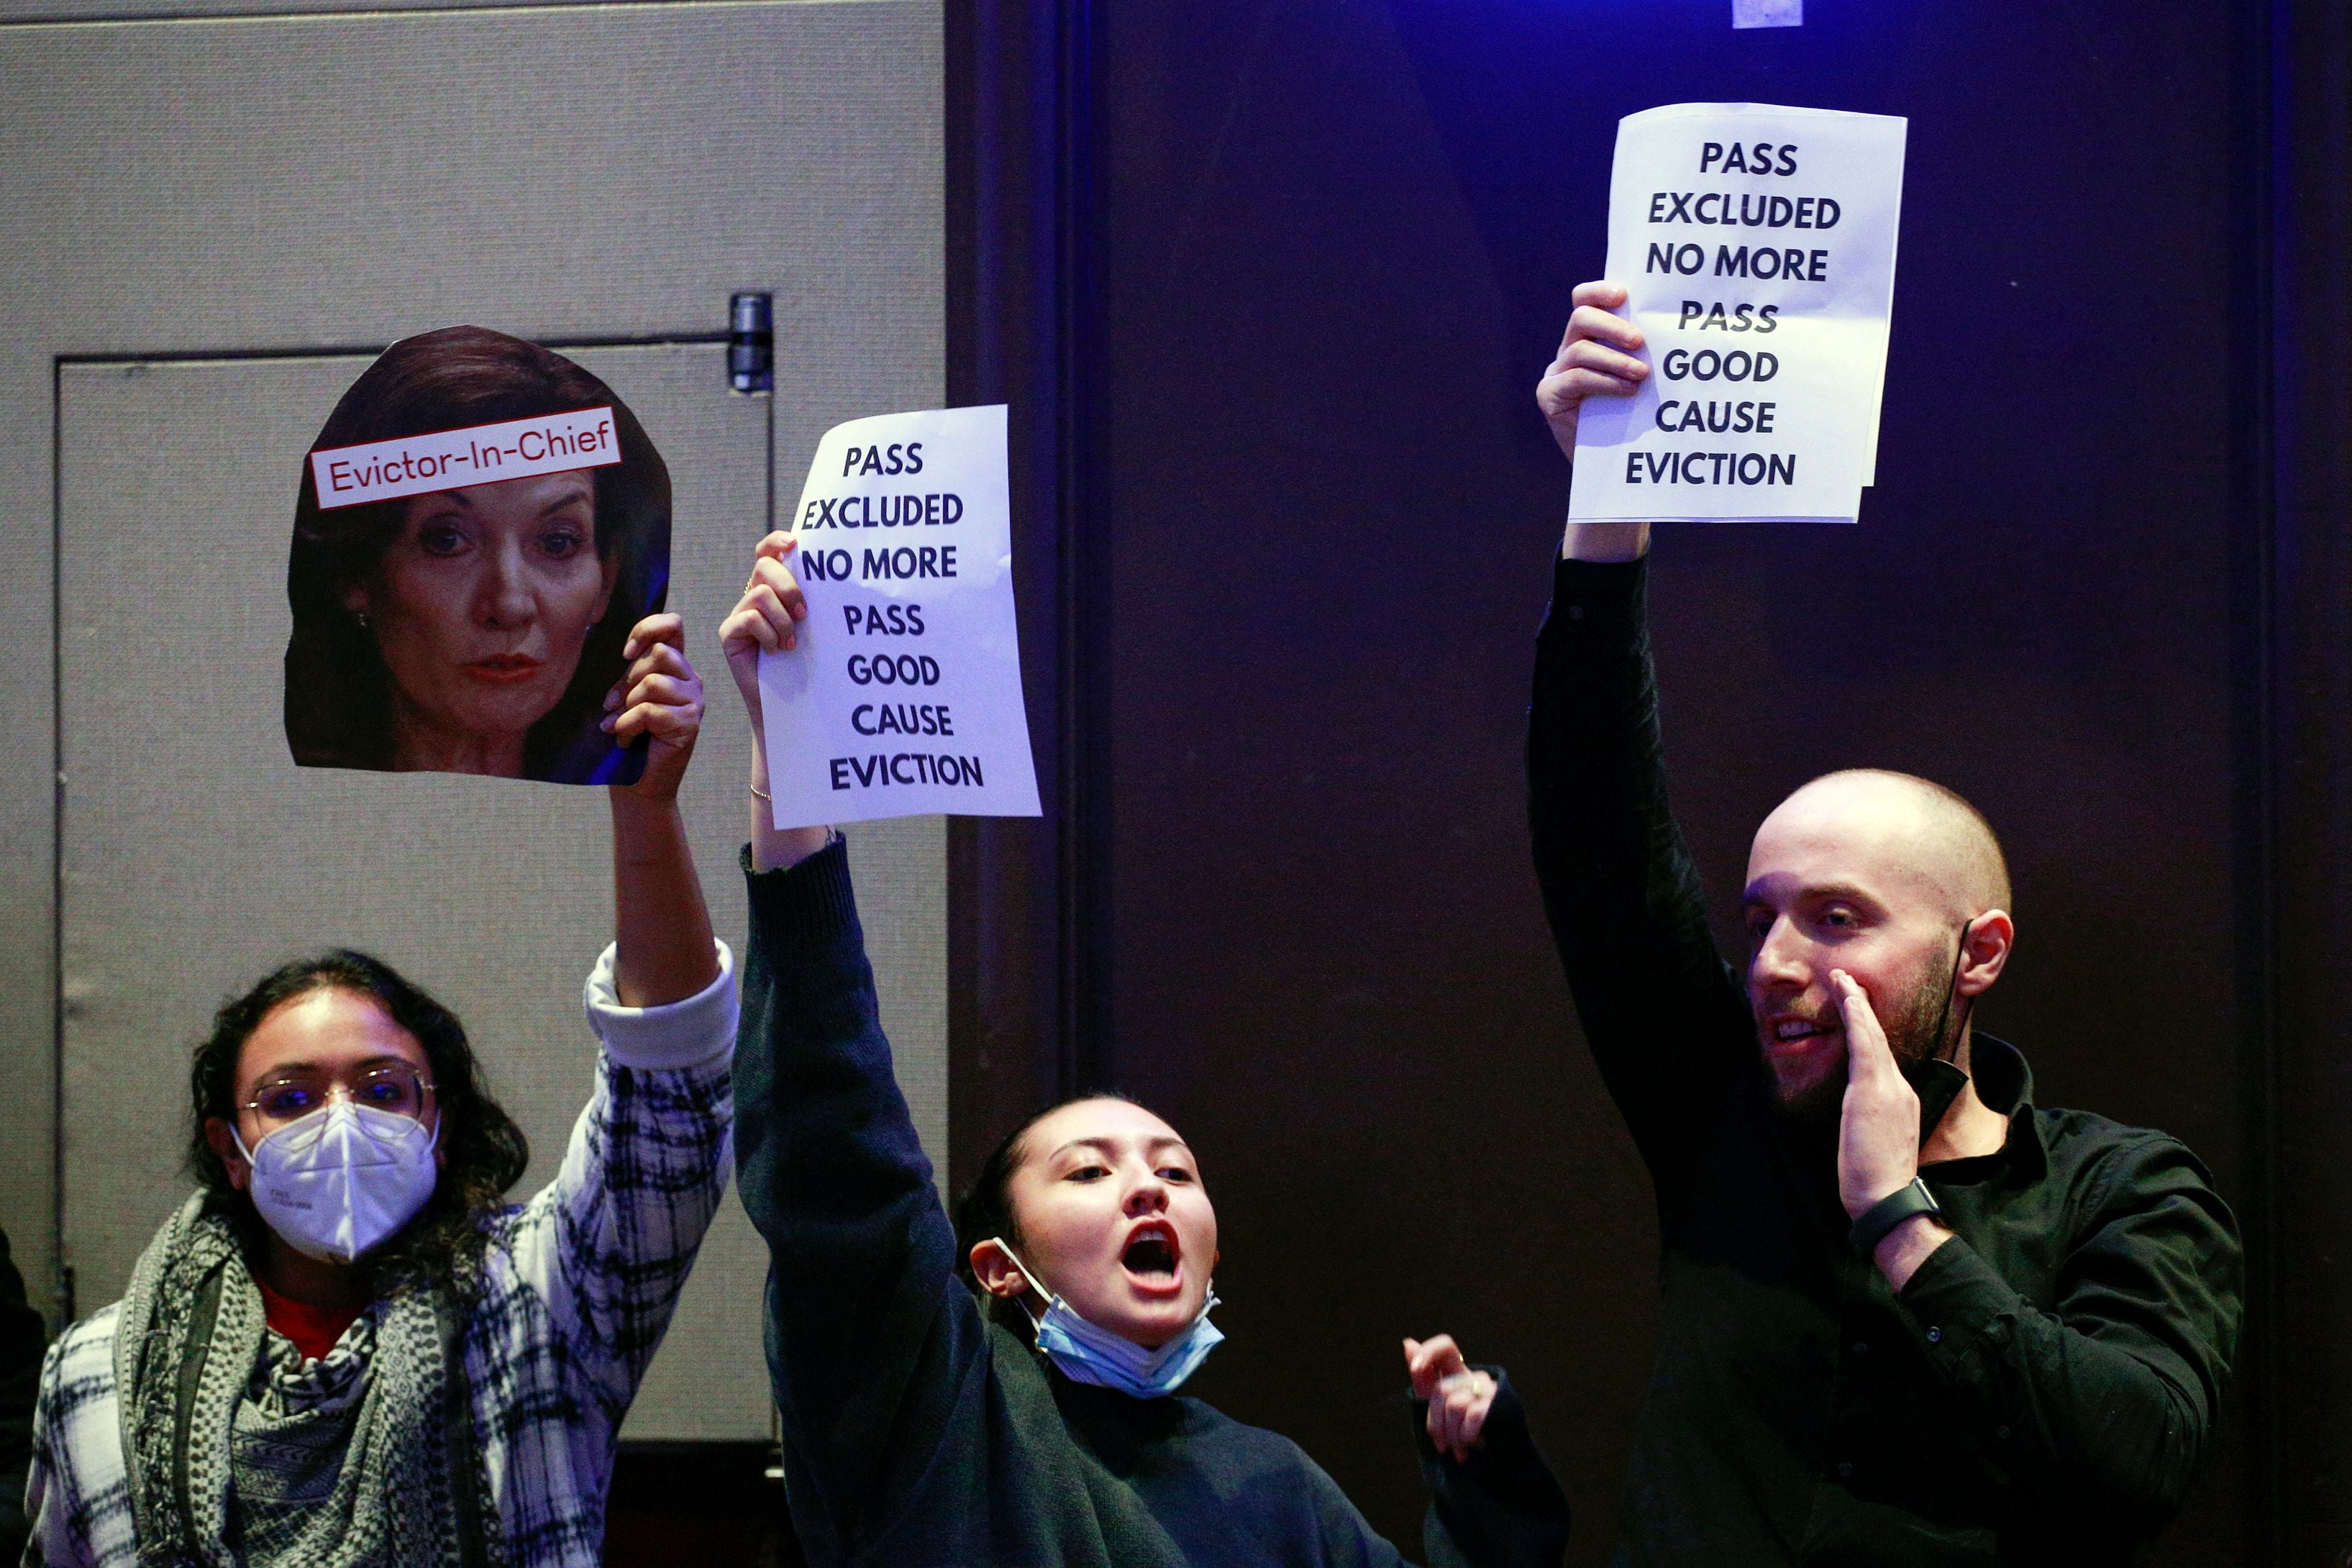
pixel 1007 1395
pixel 346 1348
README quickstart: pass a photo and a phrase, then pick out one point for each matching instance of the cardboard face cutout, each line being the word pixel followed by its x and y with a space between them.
pixel 479 525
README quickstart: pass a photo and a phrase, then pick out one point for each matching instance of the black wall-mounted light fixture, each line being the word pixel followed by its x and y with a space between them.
pixel 751 343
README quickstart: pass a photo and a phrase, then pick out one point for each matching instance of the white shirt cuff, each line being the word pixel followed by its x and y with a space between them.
pixel 696 1032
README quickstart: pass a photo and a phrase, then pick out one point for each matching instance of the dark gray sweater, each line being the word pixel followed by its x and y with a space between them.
pixel 915 1431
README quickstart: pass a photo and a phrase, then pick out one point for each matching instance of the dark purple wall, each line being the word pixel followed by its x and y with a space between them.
pixel 1288 494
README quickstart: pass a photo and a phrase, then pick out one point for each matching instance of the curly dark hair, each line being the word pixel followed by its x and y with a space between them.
pixel 337 690
pixel 486 1152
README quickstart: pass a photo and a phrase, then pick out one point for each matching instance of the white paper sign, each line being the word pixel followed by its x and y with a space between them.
pixel 1757 244
pixel 903 694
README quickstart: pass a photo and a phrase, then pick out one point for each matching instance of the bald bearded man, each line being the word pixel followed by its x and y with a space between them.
pixel 1908 1316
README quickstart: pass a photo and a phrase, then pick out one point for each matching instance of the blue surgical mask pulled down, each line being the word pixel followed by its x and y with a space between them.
pixel 1087 1353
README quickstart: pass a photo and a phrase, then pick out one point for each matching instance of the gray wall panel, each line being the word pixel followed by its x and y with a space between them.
pixel 295 182
pixel 70 13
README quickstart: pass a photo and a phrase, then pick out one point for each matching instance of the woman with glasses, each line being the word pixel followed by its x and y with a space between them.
pixel 346 1347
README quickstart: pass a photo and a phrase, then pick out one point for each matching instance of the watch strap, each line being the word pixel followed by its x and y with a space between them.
pixel 1871 1226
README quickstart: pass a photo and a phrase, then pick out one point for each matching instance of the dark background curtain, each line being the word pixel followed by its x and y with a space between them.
pixel 1268 287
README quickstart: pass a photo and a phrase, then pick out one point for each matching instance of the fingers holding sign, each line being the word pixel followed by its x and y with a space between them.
pixel 764 618
pixel 1595 359
pixel 1459 1396
pixel 661 697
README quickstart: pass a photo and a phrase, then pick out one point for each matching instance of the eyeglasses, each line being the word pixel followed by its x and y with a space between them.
pixel 394 1087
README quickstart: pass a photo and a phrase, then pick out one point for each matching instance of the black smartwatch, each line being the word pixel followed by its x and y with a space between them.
pixel 1890 1211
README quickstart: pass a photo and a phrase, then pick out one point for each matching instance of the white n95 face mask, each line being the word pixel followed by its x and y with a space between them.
pixel 343 1180
pixel 1087 1353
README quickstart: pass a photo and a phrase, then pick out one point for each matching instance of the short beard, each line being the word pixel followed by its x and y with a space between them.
pixel 1913 1035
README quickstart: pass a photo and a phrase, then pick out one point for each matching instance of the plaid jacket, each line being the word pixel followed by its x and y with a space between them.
pixel 580 1285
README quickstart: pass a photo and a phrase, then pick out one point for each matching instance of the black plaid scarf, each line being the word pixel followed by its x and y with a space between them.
pixel 242 1459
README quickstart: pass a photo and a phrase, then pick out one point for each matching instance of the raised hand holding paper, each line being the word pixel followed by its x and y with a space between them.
pixel 1758 245
pixel 903 692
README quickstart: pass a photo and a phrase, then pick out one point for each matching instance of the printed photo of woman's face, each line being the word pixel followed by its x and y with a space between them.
pixel 479 525
pixel 479 608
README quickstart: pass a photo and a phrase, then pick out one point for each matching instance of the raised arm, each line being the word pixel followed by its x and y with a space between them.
pixel 663 950
pixel 610 1241
pixel 874 1349
pixel 1666 1019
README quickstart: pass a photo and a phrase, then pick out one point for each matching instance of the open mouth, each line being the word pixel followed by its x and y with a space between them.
pixel 1794 1034
pixel 1150 1253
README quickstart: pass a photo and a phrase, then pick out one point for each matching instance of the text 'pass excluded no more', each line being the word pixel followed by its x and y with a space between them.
pixel 1757 246
pixel 903 694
